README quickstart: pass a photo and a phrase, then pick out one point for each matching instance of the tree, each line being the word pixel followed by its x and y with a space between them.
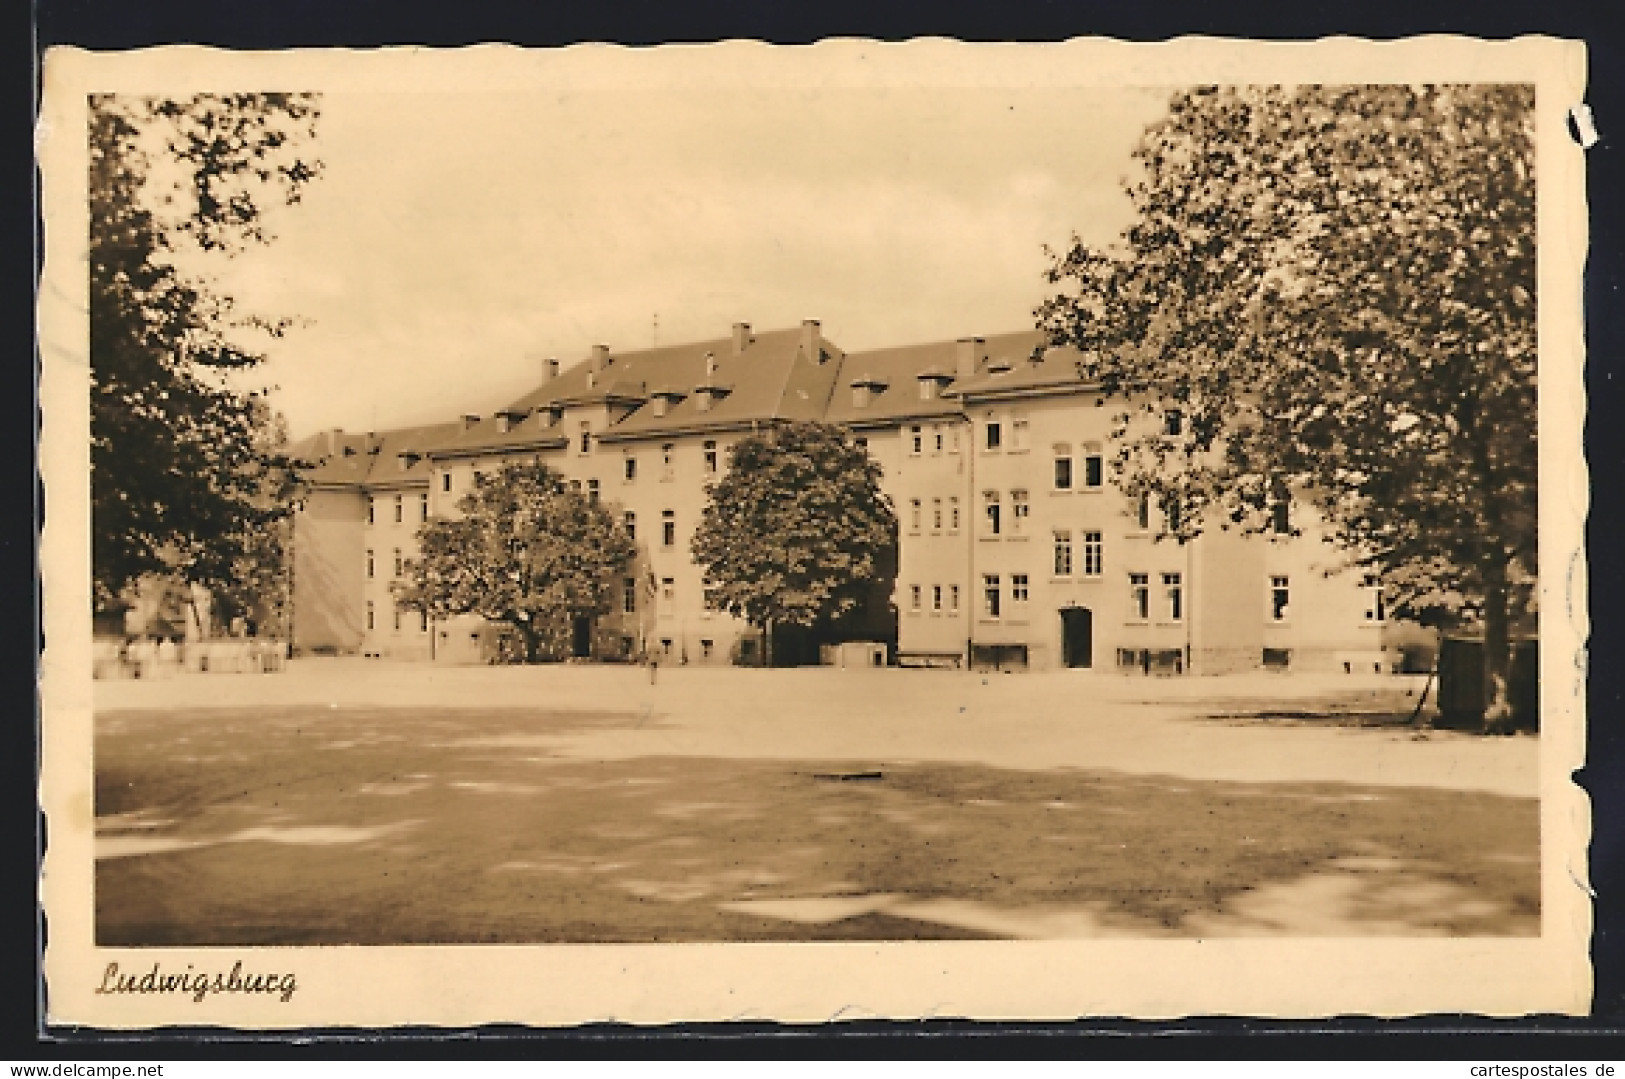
pixel 527 551
pixel 1336 285
pixel 188 474
pixel 797 532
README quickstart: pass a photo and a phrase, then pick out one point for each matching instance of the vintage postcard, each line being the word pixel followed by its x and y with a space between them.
pixel 806 533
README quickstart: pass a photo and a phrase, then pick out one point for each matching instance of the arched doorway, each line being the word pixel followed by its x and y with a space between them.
pixel 1077 637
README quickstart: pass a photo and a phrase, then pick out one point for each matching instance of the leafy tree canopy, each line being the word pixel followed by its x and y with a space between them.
pixel 187 473
pixel 1336 285
pixel 797 532
pixel 528 551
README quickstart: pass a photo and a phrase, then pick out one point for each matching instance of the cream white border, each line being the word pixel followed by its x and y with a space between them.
pixel 555 985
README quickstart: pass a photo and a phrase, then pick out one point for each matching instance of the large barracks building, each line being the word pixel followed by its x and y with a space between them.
pixel 1015 548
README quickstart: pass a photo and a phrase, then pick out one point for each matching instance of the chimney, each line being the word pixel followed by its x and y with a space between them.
pixel 971 354
pixel 710 365
pixel 811 340
pixel 550 370
pixel 331 440
pixel 470 419
pixel 741 337
pixel 661 403
pixel 599 359
pixel 702 402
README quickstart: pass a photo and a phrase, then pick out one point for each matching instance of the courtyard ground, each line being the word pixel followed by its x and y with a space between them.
pixel 353 801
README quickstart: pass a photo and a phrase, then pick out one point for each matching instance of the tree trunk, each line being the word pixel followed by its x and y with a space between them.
pixel 1497 649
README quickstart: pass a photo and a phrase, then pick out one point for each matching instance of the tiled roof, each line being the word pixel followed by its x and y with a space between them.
pixel 899 370
pixel 374 458
pixel 1016 371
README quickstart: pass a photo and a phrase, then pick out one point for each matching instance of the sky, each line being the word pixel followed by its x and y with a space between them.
pixel 455 240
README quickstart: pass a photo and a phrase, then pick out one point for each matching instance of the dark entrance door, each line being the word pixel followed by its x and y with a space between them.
pixel 1077 637
pixel 581 638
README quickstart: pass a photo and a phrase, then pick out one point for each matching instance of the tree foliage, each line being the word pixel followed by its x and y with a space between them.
pixel 797 532
pixel 527 551
pixel 188 474
pixel 1336 285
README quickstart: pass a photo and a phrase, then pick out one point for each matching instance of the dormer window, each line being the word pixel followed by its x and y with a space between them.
pixel 931 384
pixel 663 400
pixel 864 390
pixel 709 394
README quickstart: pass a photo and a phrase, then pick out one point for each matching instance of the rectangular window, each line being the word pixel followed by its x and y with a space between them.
pixel 397 619
pixel 1142 513
pixel 369 563
pixel 1281 517
pixel 1174 592
pixel 629 597
pixel 862 444
pixel 584 441
pixel 668 528
pixel 913 597
pixel 372 510
pixel 1094 470
pixel 399 510
pixel 423 507
pixel 1376 611
pixel 398 561
pixel 916 441
pixel 936 439
pixel 936 597
pixel 665 646
pixel 592 492
pixel 953 514
pixel 1063 554
pixel 1063 469
pixel 936 515
pixel 1139 596
pixel 953 597
pixel 1171 517
pixel 630 520
pixel 372 615
pixel 711 458
pixel 423 621
pixel 994 437
pixel 1018 588
pixel 1094 554
pixel 1019 430
pixel 668 589
pixel 913 515
pixel 1173 422
pixel 665 460
pixel 990 511
pixel 706 645
pixel 990 595
pixel 1020 508
pixel 1280 597
pixel 629 468
pixel 445 482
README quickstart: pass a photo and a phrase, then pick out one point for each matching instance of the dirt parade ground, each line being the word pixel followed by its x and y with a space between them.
pixel 370 802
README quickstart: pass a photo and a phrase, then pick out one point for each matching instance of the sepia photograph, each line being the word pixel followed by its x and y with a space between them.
pixel 864 495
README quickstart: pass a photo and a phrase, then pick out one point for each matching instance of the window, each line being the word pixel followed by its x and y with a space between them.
pixel 423 621
pixel 1020 508
pixel 936 515
pixel 1018 588
pixel 990 595
pixel 445 482
pixel 936 438
pixel 668 528
pixel 916 441
pixel 1094 468
pixel 1063 554
pixel 399 512
pixel 630 520
pixel 1170 514
pixel 397 619
pixel 1376 610
pixel 479 477
pixel 953 514
pixel 705 647
pixel 861 443
pixel 372 616
pixel 1280 597
pixel 1174 591
pixel 1019 430
pixel 711 458
pixel 592 492
pixel 372 510
pixel 423 507
pixel 990 510
pixel 668 589
pixel 629 468
pixel 913 515
pixel 993 437
pixel 629 597
pixel 936 597
pixel 1281 517
pixel 1094 554
pixel 1139 596
pixel 1063 467
pixel 1173 422
pixel 665 646
pixel 584 442
pixel 914 597
pixel 953 597
pixel 398 561
pixel 1142 513
pixel 665 460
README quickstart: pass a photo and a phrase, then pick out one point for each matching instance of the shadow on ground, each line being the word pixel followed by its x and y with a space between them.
pixel 393 826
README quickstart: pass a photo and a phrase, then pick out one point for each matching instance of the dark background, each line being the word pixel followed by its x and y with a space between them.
pixel 102 24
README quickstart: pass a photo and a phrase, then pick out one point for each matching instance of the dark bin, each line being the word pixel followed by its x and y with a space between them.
pixel 1461 684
